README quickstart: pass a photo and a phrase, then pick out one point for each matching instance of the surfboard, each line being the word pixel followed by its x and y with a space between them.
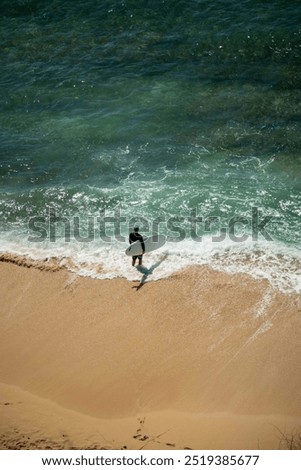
pixel 151 244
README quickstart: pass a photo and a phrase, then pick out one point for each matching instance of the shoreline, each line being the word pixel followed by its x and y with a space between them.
pixel 280 269
pixel 210 358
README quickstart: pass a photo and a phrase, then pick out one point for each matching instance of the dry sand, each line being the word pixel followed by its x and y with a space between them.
pixel 202 360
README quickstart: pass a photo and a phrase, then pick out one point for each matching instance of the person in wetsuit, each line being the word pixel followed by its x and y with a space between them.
pixel 134 236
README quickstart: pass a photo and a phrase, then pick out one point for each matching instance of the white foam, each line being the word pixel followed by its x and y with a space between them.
pixel 274 261
pixel 262 306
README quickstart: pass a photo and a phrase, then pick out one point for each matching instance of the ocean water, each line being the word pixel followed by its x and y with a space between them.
pixel 182 115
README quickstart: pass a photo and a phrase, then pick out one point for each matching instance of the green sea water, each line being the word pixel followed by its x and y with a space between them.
pixel 157 109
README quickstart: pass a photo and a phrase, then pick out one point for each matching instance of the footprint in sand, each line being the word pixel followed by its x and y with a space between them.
pixel 9 403
pixel 140 437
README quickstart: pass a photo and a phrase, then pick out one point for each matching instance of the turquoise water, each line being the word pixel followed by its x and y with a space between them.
pixel 156 108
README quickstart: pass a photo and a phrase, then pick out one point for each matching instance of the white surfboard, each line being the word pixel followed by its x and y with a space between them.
pixel 151 244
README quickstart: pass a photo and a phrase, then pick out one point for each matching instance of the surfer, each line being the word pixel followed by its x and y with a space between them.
pixel 134 236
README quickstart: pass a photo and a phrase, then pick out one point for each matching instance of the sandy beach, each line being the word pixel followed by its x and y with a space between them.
pixel 200 360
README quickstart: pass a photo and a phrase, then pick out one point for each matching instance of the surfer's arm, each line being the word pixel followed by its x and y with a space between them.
pixel 142 245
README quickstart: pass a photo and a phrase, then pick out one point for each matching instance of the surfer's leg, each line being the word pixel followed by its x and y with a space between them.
pixel 134 260
pixel 140 260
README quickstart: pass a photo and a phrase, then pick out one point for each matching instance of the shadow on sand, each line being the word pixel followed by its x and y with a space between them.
pixel 148 271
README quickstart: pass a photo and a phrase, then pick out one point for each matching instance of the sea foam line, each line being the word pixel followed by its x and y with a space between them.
pixel 275 262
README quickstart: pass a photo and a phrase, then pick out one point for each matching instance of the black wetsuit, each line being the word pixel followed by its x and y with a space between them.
pixel 134 236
